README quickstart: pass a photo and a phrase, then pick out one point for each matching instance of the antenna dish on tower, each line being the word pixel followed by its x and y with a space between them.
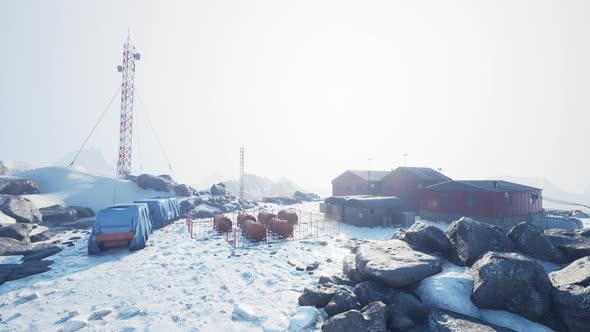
pixel 137 56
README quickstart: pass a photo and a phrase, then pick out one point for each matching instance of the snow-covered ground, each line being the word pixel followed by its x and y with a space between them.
pixel 73 186
pixel 176 283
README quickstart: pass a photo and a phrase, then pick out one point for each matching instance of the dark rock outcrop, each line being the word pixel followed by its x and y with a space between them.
pixel 571 294
pixel 18 232
pixel 218 189
pixel 336 280
pixel 184 190
pixel 343 300
pixel 20 208
pixel 447 321
pixel 45 235
pixel 16 271
pixel 11 185
pixel 41 252
pixel 395 263
pixel 427 238
pixel 405 310
pixel 147 181
pixel 306 197
pixel 58 213
pixel 317 296
pixel 511 282
pixel 574 243
pixel 532 241
pixel 372 318
pixel 83 212
pixel 471 239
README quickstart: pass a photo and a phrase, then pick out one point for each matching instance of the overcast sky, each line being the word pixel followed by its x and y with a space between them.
pixel 310 88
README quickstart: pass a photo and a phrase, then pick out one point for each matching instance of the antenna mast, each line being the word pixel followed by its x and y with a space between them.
pixel 242 172
pixel 127 69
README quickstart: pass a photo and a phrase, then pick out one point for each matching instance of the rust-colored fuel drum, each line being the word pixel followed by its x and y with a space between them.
pixel 281 227
pixel 264 217
pixel 254 230
pixel 288 216
pixel 243 217
pixel 222 223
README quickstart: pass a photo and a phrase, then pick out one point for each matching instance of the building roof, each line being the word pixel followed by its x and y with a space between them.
pixel 481 185
pixel 425 173
pixel 375 175
pixel 369 202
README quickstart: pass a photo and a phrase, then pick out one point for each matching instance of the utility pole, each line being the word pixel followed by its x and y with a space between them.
pixel 405 157
pixel 369 174
pixel 127 69
pixel 242 172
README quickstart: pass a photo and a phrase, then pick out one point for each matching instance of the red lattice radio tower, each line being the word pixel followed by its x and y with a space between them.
pixel 127 69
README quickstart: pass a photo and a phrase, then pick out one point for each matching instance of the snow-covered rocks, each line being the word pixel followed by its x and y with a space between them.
pixel 244 312
pixel 405 309
pixel 18 232
pixel 58 213
pixel 318 296
pixel 11 185
pixel 19 208
pixel 10 246
pixel 218 189
pixel 571 294
pixel 129 312
pixel 532 241
pixel 100 314
pixel 427 238
pixel 511 282
pixel 471 239
pixel 157 183
pixel 74 325
pixel 448 321
pixel 26 297
pixel 373 317
pixel 395 263
pixel 343 300
pixel 574 243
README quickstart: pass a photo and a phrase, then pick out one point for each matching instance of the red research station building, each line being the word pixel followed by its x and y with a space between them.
pixel 501 203
pixel 351 183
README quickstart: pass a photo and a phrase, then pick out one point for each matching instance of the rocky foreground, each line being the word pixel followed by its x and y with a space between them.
pixel 383 284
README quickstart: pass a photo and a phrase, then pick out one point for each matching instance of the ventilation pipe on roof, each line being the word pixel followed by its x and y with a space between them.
pixel 495 184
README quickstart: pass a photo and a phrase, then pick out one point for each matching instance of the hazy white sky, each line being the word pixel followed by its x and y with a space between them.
pixel 311 88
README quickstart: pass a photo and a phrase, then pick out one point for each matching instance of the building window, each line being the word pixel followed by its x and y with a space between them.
pixel 534 198
pixel 469 200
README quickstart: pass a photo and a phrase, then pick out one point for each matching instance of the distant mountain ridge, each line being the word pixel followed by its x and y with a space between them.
pixel 257 187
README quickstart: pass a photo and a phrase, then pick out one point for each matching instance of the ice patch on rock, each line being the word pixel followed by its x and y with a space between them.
pixel 244 312
pixel 129 312
pixel 74 325
pixel 304 318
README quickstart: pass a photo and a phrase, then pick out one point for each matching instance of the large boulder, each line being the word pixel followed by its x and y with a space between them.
pixel 40 252
pixel 471 239
pixel 427 238
pixel 371 318
pixel 405 310
pixel 532 241
pixel 574 243
pixel 447 321
pixel 186 206
pixel 571 294
pixel 218 189
pixel 147 181
pixel 183 190
pixel 9 247
pixel 343 300
pixel 45 235
pixel 349 269
pixel 58 213
pixel 318 296
pixel 511 282
pixel 11 185
pixel 20 208
pixel 18 232
pixel 395 263
pixel 83 212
